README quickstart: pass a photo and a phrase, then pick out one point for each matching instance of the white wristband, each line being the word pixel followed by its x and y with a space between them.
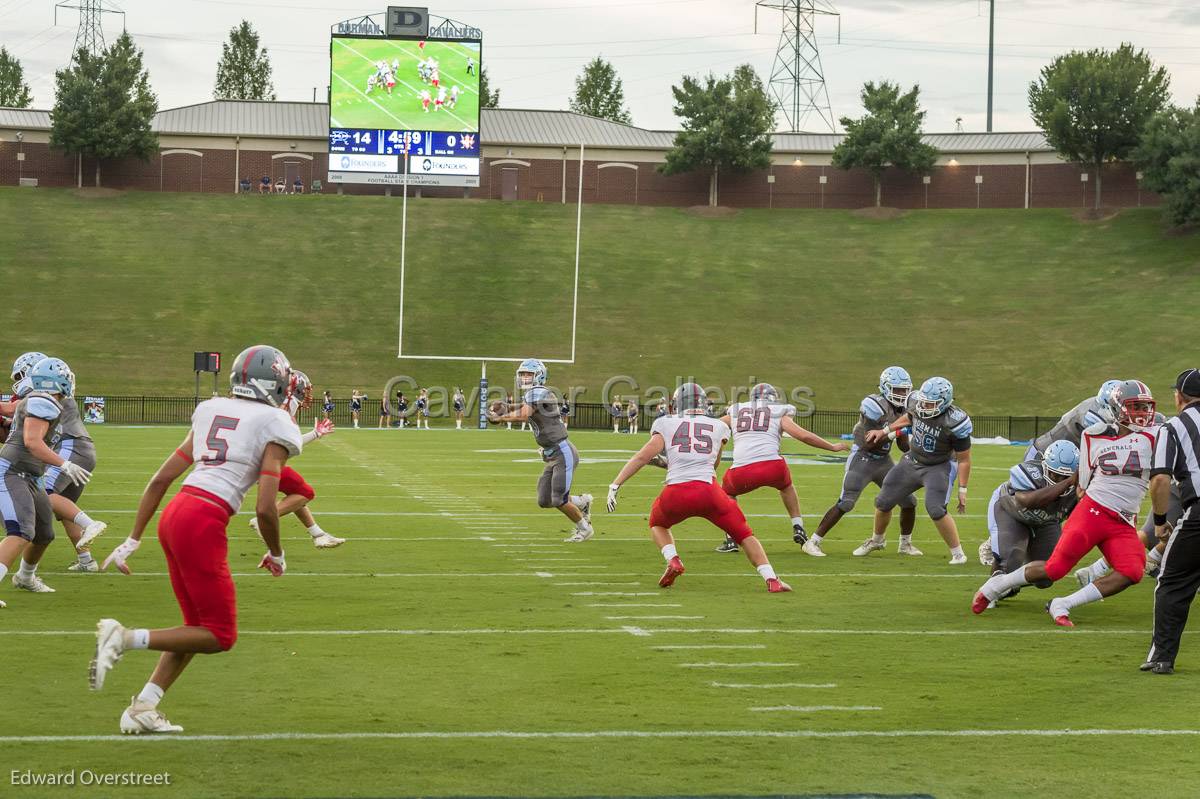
pixel 962 489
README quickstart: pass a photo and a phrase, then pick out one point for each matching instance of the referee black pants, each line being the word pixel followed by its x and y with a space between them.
pixel 1178 581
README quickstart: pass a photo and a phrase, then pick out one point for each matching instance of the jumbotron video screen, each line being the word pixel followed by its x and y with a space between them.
pixel 388 92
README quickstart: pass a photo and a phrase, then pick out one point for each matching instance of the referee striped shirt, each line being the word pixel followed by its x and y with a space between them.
pixel 1177 452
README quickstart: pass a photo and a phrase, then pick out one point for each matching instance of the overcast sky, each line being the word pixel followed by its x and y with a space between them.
pixel 533 49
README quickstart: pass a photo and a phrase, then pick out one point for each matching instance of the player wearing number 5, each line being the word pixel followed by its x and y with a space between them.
pixel 234 443
pixel 1114 476
pixel 692 443
pixel 758 428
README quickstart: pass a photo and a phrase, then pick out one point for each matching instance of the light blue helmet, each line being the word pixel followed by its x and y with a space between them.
pixel 934 397
pixel 895 385
pixel 20 370
pixel 530 373
pixel 1060 461
pixel 54 376
pixel 1106 400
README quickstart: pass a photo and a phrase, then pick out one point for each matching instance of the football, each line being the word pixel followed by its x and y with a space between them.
pixel 498 408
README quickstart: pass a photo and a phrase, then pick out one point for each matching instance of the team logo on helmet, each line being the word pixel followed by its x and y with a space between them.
pixel 895 385
pixel 764 392
pixel 934 397
pixel 301 391
pixel 1135 405
pixel 261 373
pixel 530 373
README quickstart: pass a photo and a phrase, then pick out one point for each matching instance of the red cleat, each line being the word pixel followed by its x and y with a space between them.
pixel 1059 613
pixel 1064 621
pixel 674 569
pixel 980 603
pixel 777 586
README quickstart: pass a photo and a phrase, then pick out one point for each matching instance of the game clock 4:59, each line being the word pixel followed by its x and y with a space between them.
pixel 392 142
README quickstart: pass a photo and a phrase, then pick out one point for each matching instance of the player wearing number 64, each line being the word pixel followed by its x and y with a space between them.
pixel 693 443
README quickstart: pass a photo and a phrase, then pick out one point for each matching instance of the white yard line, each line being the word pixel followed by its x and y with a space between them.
pixel 649 618
pixel 167 740
pixel 814 708
pixel 774 685
pixel 634 605
pixel 710 646
pixel 650 631
pixel 616 593
pixel 759 665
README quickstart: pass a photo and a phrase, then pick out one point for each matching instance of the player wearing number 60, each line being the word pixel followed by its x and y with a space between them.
pixel 693 443
pixel 758 428
pixel 234 443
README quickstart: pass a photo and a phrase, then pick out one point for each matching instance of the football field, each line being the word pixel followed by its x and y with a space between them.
pixel 454 646
pixel 353 106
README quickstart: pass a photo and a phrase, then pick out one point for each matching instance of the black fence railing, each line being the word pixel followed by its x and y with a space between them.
pixel 584 416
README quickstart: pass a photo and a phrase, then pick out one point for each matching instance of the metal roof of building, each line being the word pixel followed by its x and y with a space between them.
pixel 499 126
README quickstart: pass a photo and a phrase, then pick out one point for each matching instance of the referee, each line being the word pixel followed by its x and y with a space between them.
pixel 1176 457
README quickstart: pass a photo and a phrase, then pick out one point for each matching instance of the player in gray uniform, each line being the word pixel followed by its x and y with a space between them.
pixel 72 442
pixel 24 505
pixel 939 431
pixel 867 464
pixel 1072 424
pixel 1026 512
pixel 540 407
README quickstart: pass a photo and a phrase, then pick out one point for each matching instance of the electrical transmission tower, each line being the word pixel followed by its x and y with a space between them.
pixel 797 79
pixel 90 36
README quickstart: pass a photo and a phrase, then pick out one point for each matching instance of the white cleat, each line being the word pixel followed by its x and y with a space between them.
pixel 986 556
pixel 958 560
pixel 2 604
pixel 110 645
pixel 79 568
pixel 813 548
pixel 140 718
pixel 90 534
pixel 31 583
pixel 585 507
pixel 327 541
pixel 909 549
pixel 1084 576
pixel 869 546
pixel 581 534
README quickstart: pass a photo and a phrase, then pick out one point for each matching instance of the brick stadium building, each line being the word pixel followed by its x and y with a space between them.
pixel 533 155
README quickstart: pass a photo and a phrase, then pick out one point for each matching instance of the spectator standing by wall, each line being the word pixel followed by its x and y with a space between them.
pixel 460 407
pixel 633 413
pixel 356 400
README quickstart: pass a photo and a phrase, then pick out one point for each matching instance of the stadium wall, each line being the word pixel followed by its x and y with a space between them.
pixel 619 176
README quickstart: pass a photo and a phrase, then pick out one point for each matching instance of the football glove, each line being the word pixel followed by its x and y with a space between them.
pixel 75 473
pixel 612 497
pixel 323 427
pixel 121 553
pixel 275 565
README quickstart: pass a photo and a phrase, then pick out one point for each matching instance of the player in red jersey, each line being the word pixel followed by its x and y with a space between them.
pixel 297 493
pixel 1114 475
pixel 693 444
pixel 758 427
pixel 234 442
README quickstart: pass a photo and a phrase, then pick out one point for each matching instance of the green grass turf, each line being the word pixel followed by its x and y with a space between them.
pixel 1025 311
pixel 354 61
pixel 419 572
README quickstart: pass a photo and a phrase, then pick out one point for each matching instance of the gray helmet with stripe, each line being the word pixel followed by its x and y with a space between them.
pixel 689 398
pixel 261 373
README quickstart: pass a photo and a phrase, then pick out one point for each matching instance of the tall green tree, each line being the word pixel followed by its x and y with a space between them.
pixel 488 98
pixel 599 93
pixel 14 91
pixel 727 125
pixel 244 71
pixel 1169 156
pixel 889 135
pixel 103 107
pixel 1095 105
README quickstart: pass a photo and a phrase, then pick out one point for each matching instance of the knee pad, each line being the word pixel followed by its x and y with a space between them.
pixel 909 502
pixel 547 503
pixel 225 638
pixel 1133 575
pixel 935 509
pixel 845 505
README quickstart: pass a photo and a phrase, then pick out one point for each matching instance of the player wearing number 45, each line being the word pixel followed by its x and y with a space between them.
pixel 758 428
pixel 1114 475
pixel 693 443
pixel 234 443
pixel 540 408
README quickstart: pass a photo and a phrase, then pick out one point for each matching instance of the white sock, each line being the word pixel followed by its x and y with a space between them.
pixel 577 501
pixel 151 695
pixel 956 551
pixel 85 557
pixel 25 570
pixel 1001 583
pixel 816 539
pixel 766 572
pixel 1099 569
pixel 669 552
pixel 1089 593
pixel 137 639
pixel 82 519
pixel 904 539
pixel 315 531
pixel 3 571
pixel 797 520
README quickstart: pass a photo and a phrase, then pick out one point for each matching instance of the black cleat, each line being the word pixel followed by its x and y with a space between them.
pixel 1158 667
pixel 799 535
pixel 729 546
